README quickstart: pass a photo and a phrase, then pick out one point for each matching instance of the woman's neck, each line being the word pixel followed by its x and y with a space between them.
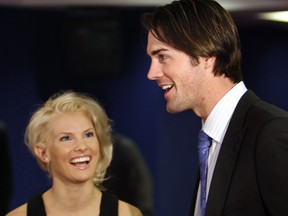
pixel 72 198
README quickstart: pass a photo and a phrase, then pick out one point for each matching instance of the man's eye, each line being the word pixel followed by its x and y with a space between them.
pixel 65 138
pixel 161 58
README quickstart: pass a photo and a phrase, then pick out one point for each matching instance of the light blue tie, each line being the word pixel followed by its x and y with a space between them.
pixel 204 142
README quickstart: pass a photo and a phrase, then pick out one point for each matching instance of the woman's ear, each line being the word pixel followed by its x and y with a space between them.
pixel 40 151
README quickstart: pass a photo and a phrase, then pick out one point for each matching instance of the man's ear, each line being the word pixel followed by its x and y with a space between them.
pixel 210 62
pixel 40 151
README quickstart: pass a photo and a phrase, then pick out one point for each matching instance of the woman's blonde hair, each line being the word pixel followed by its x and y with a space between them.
pixel 70 101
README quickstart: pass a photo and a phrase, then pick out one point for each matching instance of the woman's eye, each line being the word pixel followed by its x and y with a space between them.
pixel 89 134
pixel 65 138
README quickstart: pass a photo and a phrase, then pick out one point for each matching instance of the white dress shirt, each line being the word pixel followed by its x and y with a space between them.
pixel 215 126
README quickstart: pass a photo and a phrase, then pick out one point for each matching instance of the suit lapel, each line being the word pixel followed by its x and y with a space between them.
pixel 227 157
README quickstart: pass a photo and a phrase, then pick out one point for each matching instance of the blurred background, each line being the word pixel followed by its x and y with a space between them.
pixel 99 47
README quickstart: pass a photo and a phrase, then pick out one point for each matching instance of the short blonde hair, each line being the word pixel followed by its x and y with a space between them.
pixel 70 101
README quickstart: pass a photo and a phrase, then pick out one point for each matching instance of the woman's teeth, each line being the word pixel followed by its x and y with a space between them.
pixel 85 159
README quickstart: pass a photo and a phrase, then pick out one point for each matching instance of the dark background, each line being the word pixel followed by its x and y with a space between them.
pixel 102 51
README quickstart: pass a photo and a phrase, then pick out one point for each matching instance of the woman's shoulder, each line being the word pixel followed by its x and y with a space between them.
pixel 126 209
pixel 19 211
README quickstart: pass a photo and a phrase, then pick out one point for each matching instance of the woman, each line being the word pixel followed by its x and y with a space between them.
pixel 69 135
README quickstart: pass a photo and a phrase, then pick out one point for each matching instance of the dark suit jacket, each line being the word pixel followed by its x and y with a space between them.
pixel 251 173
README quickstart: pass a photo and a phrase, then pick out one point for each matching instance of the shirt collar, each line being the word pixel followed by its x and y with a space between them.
pixel 217 122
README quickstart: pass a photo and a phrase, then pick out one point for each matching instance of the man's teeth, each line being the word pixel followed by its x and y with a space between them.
pixel 80 160
pixel 167 87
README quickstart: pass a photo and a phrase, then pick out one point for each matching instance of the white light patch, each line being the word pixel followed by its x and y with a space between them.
pixel 279 16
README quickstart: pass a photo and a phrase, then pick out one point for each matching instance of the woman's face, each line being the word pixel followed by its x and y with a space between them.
pixel 74 148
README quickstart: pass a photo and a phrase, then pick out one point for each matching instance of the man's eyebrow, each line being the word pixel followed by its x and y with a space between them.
pixel 155 52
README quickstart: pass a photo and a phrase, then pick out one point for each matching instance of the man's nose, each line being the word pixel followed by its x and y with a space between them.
pixel 154 72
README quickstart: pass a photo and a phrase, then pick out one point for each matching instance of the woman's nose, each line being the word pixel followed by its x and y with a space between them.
pixel 80 145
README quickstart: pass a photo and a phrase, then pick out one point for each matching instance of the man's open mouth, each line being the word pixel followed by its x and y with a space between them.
pixel 167 88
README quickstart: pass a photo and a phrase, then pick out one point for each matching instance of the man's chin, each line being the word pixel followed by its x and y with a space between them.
pixel 175 108
pixel 171 110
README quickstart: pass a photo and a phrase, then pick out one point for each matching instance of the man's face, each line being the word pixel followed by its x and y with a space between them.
pixel 182 79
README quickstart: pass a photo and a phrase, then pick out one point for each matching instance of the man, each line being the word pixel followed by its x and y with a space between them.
pixel 196 59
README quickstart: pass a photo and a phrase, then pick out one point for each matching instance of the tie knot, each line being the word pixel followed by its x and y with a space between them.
pixel 204 141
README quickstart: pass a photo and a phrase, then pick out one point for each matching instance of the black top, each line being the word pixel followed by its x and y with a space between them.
pixel 108 207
